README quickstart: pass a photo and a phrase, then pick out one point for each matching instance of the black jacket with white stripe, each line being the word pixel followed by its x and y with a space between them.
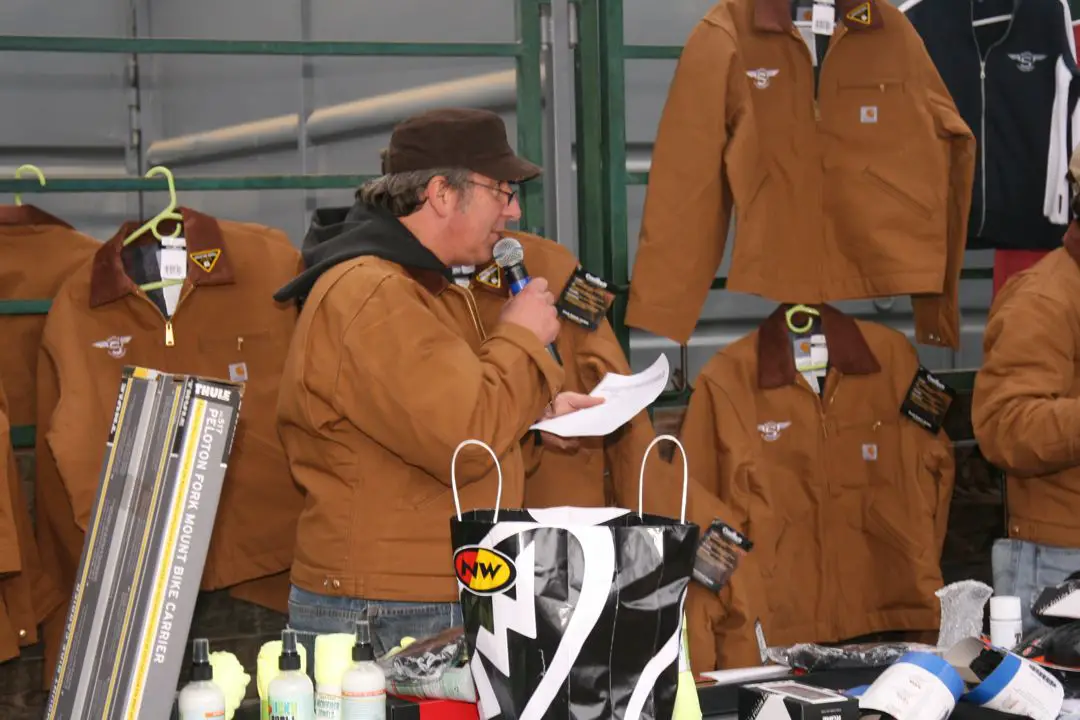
pixel 1010 67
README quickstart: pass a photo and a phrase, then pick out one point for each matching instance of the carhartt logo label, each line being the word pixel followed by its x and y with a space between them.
pixel 1025 61
pixel 762 76
pixel 206 259
pixel 868 114
pixel 869 452
pixel 213 392
pixel 770 431
pixel 484 571
pixel 861 15
pixel 116 345
pixel 238 372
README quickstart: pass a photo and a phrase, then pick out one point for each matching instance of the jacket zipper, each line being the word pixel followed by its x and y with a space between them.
pixel 816 70
pixel 474 312
pixel 983 59
pixel 170 338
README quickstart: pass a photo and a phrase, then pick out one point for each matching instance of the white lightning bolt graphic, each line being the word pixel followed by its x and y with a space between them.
pixel 518 614
pixel 597 576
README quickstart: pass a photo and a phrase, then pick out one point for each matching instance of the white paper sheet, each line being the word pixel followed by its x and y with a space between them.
pixel 624 397
pixel 738 675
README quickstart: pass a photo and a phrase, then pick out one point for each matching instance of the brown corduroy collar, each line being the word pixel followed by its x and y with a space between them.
pixel 208 258
pixel 848 351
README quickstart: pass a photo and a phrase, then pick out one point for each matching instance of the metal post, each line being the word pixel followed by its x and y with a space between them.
pixel 587 89
pixel 613 112
pixel 307 99
pixel 562 225
pixel 530 117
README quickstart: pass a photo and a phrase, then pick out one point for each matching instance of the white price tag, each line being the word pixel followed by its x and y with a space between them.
pixel 173 264
pixel 824 19
pixel 174 242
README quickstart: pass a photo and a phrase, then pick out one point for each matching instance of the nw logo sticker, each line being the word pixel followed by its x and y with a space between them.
pixel 206 259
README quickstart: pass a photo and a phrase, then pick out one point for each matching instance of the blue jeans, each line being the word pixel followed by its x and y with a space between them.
pixel 1023 569
pixel 312 614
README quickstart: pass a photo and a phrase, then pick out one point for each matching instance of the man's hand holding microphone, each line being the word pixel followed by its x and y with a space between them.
pixel 533 307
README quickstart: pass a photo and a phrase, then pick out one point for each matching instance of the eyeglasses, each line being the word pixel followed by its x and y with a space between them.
pixel 510 194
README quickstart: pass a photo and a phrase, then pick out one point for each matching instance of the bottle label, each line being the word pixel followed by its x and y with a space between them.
pixel 327 706
pixel 360 705
pixel 289 710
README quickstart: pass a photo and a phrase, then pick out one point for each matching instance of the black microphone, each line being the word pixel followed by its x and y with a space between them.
pixel 510 257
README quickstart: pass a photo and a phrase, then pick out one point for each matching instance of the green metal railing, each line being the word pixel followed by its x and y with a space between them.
pixel 525 51
pixel 604 238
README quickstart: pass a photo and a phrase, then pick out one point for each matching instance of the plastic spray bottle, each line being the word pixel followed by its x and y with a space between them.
pixel 201 699
pixel 363 687
pixel 291 695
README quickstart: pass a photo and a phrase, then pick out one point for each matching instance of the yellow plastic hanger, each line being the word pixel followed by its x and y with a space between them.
pixel 18 174
pixel 804 309
pixel 169 213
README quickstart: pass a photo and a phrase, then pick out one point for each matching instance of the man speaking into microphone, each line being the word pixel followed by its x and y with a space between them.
pixel 391 366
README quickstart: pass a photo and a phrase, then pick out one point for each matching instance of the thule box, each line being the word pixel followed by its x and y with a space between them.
pixel 146 544
pixel 789 700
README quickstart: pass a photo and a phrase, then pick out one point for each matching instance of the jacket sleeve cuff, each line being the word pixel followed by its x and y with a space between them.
pixel 552 372
pixel 677 326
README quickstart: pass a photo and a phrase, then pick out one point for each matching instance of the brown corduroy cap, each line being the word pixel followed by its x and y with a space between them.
pixel 456 138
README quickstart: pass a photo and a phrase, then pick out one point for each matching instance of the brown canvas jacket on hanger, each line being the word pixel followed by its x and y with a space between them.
pixel 27 595
pixel 1026 406
pixel 860 189
pixel 37 254
pixel 225 325
pixel 845 499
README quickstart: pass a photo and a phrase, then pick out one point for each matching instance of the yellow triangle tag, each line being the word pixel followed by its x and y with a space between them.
pixel 491 276
pixel 206 259
pixel 861 14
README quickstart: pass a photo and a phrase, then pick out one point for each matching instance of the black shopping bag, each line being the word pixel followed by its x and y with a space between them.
pixel 573 613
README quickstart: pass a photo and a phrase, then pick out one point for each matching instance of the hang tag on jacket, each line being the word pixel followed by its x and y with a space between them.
pixel 824 18
pixel 585 299
pixel 173 264
pixel 174 242
pixel 718 555
pixel 927 401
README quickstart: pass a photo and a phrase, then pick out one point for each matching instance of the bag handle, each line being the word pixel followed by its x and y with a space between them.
pixel 453 476
pixel 685 475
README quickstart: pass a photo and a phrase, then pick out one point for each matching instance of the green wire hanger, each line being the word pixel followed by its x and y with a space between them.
pixel 169 213
pixel 810 312
pixel 18 174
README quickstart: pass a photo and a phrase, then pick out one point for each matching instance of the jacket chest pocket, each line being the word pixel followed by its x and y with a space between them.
pixel 253 358
pixel 865 453
pixel 870 116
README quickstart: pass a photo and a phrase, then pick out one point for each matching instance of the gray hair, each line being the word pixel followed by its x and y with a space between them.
pixel 402 193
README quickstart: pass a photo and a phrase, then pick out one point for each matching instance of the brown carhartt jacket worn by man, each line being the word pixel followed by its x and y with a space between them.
pixel 27 595
pixel 226 325
pixel 1026 406
pixel 852 185
pixel 389 370
pixel 577 477
pixel 37 254
pixel 846 500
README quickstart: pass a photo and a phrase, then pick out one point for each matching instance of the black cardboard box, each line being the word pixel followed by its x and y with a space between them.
pixel 790 700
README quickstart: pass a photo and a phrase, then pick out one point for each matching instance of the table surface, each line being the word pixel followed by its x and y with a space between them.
pixel 720 702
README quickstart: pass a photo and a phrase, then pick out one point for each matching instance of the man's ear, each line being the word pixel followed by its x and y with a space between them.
pixel 440 196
